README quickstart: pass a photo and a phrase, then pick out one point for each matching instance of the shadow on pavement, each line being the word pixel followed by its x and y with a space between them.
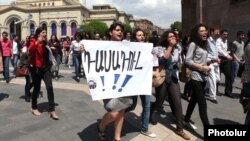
pixel 169 119
pixel 89 133
pixel 219 121
pixel 3 96
pixel 132 128
pixel 44 107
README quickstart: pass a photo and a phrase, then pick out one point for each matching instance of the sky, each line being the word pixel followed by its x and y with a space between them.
pixel 161 12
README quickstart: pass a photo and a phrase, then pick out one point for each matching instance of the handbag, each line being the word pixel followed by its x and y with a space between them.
pixel 185 73
pixel 159 75
pixel 22 71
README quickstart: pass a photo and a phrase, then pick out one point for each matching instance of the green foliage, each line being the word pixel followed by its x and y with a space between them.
pixel 95 26
pixel 87 28
pixel 127 27
pixel 176 25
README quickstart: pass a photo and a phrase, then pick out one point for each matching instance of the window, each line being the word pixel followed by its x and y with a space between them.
pixel 44 26
pixel 32 29
pixel 53 29
pixel 63 29
pixel 73 28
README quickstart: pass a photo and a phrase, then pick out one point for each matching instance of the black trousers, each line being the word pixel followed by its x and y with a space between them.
pixel 198 96
pixel 225 67
pixel 37 75
pixel 174 98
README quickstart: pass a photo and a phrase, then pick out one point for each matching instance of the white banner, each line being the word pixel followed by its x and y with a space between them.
pixel 117 69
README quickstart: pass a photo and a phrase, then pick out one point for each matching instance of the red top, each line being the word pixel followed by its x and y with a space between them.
pixel 6 47
pixel 36 53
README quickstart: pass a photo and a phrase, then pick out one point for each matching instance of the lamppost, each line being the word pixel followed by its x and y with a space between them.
pixel 27 18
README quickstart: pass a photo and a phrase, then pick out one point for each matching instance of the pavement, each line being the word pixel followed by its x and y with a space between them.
pixel 79 115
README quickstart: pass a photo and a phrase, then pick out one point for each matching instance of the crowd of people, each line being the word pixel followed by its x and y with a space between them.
pixel 206 51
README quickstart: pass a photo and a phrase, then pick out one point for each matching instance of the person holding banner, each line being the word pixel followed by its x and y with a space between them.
pixel 138 36
pixel 115 106
pixel 170 60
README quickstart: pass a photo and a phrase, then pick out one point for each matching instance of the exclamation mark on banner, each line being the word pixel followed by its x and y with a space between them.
pixel 127 78
pixel 115 81
pixel 102 78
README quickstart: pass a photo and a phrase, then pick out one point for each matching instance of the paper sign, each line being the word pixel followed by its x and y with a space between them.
pixel 117 69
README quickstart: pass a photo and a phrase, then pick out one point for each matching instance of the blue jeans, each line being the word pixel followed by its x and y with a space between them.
pixel 14 63
pixel 6 70
pixel 77 58
pixel 235 68
pixel 58 62
pixel 145 99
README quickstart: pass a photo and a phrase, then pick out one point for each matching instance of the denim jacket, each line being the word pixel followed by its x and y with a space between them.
pixel 171 66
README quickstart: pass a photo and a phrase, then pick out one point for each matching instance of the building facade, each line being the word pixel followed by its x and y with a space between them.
pixel 108 14
pixel 59 17
pixel 233 15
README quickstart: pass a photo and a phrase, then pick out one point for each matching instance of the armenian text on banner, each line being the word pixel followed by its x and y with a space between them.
pixel 117 69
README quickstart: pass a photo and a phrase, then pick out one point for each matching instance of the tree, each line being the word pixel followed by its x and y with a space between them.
pixel 95 26
pixel 127 28
pixel 176 25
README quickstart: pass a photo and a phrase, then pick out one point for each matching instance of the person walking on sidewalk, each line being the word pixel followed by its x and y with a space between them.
pixel 115 106
pixel 138 36
pixel 245 79
pixel 41 58
pixel 214 61
pixel 6 54
pixel 197 60
pixel 170 60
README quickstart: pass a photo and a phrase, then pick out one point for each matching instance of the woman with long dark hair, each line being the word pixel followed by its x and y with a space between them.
pixel 139 36
pixel 41 62
pixel 197 60
pixel 170 87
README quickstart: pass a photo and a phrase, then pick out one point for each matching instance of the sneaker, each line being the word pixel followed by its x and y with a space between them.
pixel 149 134
pixel 212 100
pixel 183 134
pixel 190 125
pixel 77 79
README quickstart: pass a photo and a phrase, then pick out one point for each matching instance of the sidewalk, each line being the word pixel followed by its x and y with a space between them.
pixel 79 115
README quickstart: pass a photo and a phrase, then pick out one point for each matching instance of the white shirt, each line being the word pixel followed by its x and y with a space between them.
pixel 222 47
pixel 75 45
pixel 15 48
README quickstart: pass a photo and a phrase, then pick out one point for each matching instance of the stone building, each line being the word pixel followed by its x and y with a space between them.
pixel 60 17
pixel 108 14
pixel 147 26
pixel 233 15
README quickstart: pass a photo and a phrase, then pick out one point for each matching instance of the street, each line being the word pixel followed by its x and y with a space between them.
pixel 79 115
